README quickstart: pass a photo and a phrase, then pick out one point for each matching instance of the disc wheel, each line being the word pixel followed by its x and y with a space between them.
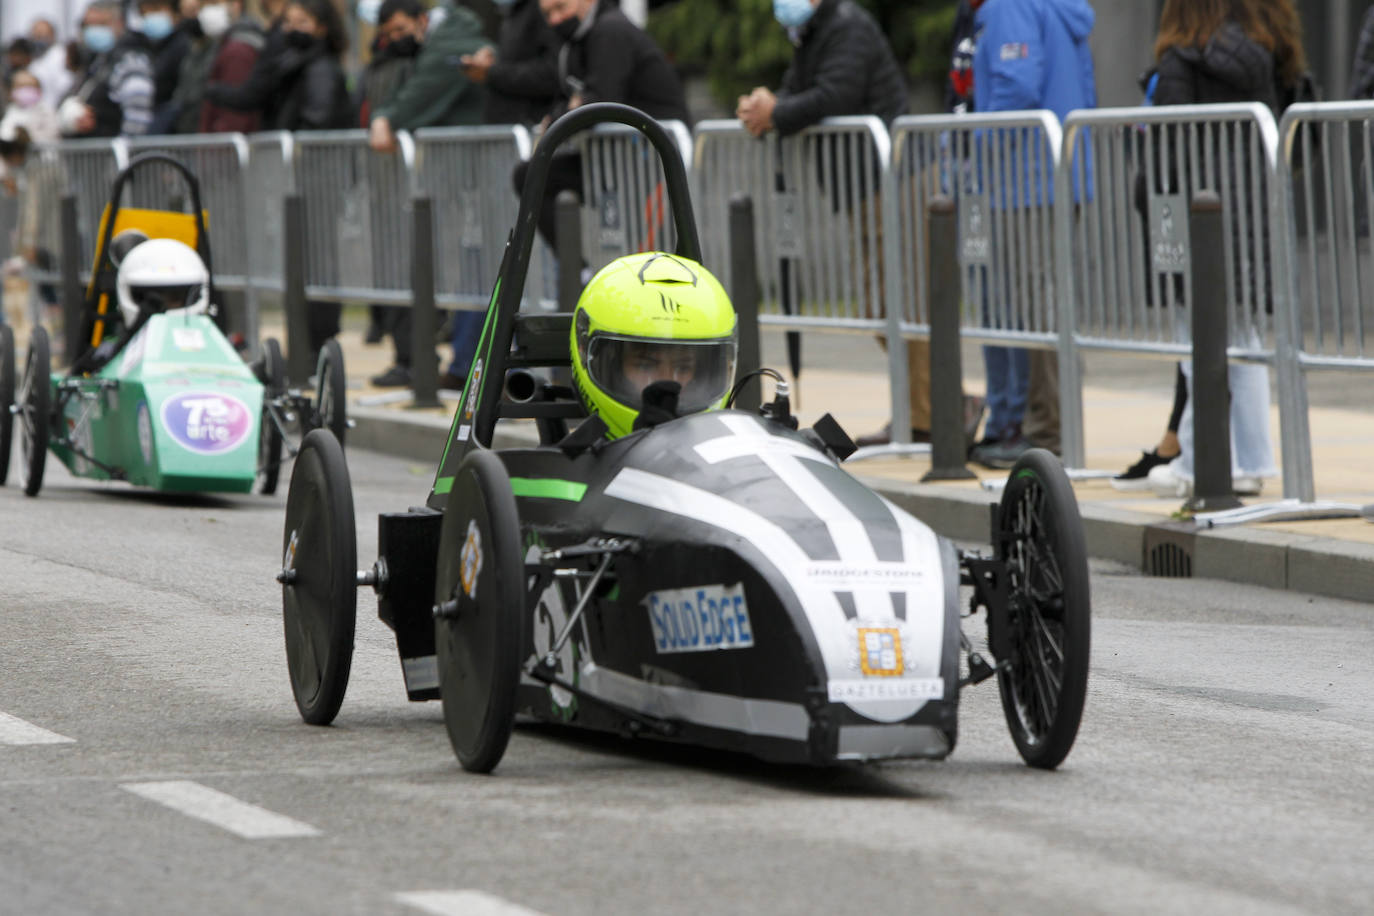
pixel 273 376
pixel 34 400
pixel 331 408
pixel 480 591
pixel 319 587
pixel 6 399
pixel 1045 683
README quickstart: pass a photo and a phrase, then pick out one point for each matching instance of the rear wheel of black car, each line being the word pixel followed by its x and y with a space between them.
pixel 34 403
pixel 331 408
pixel 1048 627
pixel 480 592
pixel 6 399
pixel 319 578
pixel 273 376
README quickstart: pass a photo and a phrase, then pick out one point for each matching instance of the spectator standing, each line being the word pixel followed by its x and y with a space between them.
pixel 28 110
pixel 436 94
pixel 1028 54
pixel 260 93
pixel 604 58
pixel 236 43
pixel 115 95
pixel 387 67
pixel 18 56
pixel 1221 51
pixel 313 96
pixel 843 65
pixel 170 39
pixel 50 62
pixel 521 72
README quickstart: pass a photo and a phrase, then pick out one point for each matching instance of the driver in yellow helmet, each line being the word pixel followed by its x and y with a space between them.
pixel 654 336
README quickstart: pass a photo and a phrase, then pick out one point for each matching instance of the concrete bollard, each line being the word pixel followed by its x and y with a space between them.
pixel 298 367
pixel 424 372
pixel 568 221
pixel 948 451
pixel 1211 390
pixel 744 293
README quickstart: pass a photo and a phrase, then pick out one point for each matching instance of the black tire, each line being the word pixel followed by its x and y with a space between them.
pixel 1049 619
pixel 273 377
pixel 320 594
pixel 478 645
pixel 35 398
pixel 6 399
pixel 331 408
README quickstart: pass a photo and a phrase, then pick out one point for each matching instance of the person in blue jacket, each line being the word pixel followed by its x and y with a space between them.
pixel 1027 54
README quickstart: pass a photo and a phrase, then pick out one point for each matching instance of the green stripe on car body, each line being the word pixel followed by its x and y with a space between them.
pixel 548 488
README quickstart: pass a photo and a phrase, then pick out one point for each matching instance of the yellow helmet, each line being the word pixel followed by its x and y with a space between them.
pixel 652 317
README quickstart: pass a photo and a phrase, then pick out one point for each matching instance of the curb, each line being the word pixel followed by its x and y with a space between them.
pixel 1251 555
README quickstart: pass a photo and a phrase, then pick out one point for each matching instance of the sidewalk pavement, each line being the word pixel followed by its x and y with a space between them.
pixel 1332 557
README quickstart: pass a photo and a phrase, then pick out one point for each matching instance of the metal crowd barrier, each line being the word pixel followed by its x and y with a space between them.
pixel 270 178
pixel 1123 253
pixel 624 203
pixel 466 171
pixel 998 169
pixel 818 217
pixel 357 235
pixel 85 169
pixel 1103 266
pixel 1325 201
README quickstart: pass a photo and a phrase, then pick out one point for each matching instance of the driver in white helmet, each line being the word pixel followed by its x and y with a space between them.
pixel 159 276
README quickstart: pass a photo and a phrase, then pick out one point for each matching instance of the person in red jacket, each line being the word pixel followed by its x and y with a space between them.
pixel 240 41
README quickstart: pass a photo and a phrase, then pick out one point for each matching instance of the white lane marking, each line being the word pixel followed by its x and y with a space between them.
pixel 223 811
pixel 463 903
pixel 14 730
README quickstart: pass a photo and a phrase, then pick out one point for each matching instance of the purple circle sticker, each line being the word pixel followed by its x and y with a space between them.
pixel 204 422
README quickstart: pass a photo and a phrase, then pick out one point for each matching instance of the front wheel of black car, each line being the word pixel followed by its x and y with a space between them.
pixel 479 593
pixel 319 578
pixel 1045 680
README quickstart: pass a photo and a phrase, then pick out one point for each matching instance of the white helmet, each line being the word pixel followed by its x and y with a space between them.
pixel 161 275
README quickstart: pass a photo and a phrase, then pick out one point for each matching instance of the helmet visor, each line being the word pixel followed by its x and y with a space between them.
pixel 624 366
pixel 154 299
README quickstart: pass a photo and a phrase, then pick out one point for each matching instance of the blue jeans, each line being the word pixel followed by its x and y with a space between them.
pixel 1008 384
pixel 467 332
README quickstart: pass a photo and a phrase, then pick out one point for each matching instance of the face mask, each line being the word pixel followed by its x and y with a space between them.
pixel 405 47
pixel 40 47
pixel 157 26
pixel 368 9
pixel 214 19
pixel 26 96
pixel 298 39
pixel 98 38
pixel 792 13
pixel 567 28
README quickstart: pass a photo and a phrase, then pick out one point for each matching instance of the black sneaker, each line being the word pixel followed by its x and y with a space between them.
pixel 395 377
pixel 1137 476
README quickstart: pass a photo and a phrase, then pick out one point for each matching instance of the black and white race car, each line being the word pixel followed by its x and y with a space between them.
pixel 718 579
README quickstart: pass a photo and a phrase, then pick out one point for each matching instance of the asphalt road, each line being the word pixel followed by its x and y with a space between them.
pixel 1223 764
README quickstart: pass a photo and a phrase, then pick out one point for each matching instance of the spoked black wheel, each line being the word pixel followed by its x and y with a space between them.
pixel 1049 614
pixel 6 399
pixel 331 410
pixel 34 399
pixel 319 578
pixel 479 589
pixel 273 376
